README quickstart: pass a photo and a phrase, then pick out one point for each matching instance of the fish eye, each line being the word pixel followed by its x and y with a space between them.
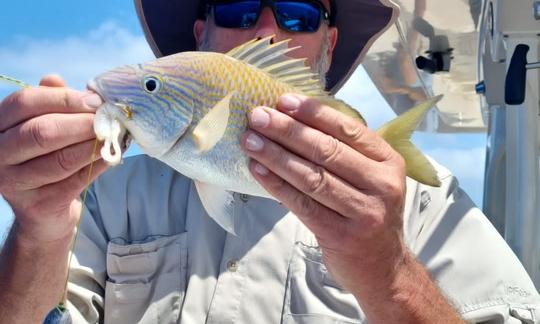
pixel 152 84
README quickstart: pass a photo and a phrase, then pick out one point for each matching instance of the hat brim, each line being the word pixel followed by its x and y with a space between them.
pixel 168 28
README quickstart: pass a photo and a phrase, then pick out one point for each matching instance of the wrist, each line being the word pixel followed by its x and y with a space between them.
pixel 382 271
pixel 405 294
pixel 32 275
pixel 46 228
pixel 28 241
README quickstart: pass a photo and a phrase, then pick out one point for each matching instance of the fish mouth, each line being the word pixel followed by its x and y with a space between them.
pixel 109 129
pixel 112 133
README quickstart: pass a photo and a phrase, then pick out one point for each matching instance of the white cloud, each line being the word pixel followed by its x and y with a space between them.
pixel 76 58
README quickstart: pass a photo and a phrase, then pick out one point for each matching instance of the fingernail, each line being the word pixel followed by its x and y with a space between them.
pixel 92 100
pixel 289 102
pixel 260 169
pixel 254 142
pixel 259 118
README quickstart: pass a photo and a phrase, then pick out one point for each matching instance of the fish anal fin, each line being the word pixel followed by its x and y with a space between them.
pixel 218 204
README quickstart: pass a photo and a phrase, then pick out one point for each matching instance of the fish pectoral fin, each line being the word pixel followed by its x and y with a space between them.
pixel 397 133
pixel 212 127
pixel 219 205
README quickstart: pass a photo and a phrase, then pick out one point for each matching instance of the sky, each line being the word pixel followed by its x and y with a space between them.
pixel 80 39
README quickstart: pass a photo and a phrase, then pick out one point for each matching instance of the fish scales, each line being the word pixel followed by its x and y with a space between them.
pixel 219 76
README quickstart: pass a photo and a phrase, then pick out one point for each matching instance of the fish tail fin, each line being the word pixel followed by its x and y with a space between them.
pixel 397 133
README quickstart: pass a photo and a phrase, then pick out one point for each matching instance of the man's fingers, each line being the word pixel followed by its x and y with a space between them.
pixel 322 221
pixel 44 134
pixel 52 80
pixel 31 102
pixel 310 179
pixel 47 199
pixel 349 130
pixel 52 167
pixel 319 148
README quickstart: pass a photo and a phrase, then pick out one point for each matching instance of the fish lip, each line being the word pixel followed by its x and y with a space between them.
pixel 92 86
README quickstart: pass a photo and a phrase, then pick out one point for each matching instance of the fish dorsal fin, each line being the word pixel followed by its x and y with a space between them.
pixel 272 59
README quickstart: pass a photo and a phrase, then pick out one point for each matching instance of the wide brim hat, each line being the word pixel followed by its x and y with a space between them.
pixel 168 27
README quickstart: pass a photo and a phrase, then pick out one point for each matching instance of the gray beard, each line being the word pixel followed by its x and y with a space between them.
pixel 321 62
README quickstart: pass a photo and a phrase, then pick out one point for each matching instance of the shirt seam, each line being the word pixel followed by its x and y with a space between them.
pixel 468 308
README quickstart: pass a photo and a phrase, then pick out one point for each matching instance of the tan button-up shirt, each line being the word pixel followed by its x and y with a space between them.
pixel 148 253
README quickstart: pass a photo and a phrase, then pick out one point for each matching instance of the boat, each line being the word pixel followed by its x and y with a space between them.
pixel 484 57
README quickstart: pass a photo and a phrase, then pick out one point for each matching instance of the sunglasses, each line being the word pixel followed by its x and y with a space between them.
pixel 291 15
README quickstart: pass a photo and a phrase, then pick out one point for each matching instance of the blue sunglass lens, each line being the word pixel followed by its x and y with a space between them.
pixel 242 14
pixel 298 16
pixel 294 16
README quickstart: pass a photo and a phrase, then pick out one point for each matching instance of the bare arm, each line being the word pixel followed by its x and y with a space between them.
pixel 31 277
pixel 405 295
pixel 46 140
pixel 347 185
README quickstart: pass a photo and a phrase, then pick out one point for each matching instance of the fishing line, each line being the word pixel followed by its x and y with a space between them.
pixel 61 307
pixel 71 249
pixel 19 83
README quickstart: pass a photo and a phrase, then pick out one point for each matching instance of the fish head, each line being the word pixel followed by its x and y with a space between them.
pixel 141 102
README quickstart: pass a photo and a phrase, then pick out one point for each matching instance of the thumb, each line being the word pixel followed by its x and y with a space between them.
pixel 52 80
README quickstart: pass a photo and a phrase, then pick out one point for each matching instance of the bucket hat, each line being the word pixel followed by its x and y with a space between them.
pixel 168 28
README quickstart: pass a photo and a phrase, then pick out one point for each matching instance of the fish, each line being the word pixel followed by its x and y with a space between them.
pixel 189 110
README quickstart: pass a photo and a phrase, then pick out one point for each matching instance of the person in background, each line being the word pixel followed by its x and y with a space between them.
pixel 353 239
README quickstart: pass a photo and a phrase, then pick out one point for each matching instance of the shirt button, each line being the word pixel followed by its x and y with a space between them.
pixel 232 265
pixel 244 197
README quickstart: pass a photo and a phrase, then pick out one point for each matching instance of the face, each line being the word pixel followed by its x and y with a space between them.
pixel 224 39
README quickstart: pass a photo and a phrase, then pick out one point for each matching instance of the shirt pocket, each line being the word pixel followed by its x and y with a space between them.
pixel 146 282
pixel 312 295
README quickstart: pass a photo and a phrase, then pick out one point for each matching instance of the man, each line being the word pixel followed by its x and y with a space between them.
pixel 353 239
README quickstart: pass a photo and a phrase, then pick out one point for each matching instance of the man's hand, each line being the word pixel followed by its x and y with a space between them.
pixel 46 140
pixel 347 185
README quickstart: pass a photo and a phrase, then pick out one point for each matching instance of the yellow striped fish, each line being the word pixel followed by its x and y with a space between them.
pixel 189 110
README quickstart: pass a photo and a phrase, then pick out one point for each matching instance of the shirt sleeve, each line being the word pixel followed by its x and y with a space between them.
pixel 469 260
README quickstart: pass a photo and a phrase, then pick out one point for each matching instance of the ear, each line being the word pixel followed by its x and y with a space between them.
pixel 198 29
pixel 332 41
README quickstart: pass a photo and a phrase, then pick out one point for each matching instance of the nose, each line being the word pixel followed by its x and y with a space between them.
pixel 266 25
